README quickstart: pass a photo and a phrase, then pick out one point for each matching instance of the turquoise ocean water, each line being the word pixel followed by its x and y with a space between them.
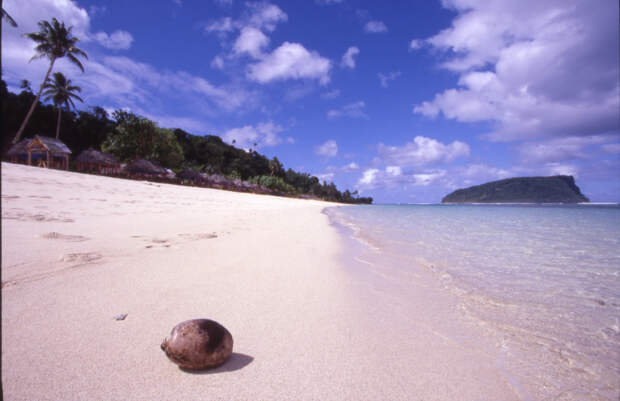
pixel 541 281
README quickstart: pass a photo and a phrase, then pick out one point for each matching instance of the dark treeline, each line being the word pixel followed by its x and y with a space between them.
pixel 129 137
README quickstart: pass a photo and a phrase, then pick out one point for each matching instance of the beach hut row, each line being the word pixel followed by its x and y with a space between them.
pixel 50 152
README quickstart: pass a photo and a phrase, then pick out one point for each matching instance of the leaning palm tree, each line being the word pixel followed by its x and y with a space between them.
pixel 54 41
pixel 7 17
pixel 62 94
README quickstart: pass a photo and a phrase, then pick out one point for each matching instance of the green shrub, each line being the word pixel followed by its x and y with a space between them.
pixel 274 183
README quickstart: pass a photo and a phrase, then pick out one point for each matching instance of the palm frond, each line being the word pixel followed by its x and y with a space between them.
pixel 75 61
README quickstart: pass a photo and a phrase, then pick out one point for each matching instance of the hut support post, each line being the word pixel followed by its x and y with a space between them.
pixel 29 157
pixel 48 159
pixel 66 162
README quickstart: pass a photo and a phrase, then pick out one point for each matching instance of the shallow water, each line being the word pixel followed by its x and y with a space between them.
pixel 541 281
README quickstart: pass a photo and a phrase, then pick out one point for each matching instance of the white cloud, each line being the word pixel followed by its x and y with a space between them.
pixel 332 94
pixel 117 40
pixel 325 177
pixel 250 41
pixel 533 69
pixel 290 61
pixel 375 27
pixel 223 25
pixel 562 169
pixel 350 167
pixel 139 85
pixel 394 171
pixel 561 149
pixel 368 177
pixel 93 11
pixel 348 58
pixel 28 13
pixel 427 178
pixel 473 174
pixel 328 149
pixel 217 63
pixel 415 44
pixel 263 134
pixel 422 151
pixel 393 176
pixel 352 110
pixel 265 16
pixel 258 15
pixel 385 79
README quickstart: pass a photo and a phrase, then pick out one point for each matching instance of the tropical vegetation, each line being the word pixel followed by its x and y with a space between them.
pixel 129 137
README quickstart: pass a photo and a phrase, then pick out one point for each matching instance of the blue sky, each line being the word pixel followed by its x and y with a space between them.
pixel 404 101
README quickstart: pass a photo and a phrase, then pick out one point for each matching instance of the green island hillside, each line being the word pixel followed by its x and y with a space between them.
pixel 555 189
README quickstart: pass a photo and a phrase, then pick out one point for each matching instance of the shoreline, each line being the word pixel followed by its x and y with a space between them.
pixel 79 250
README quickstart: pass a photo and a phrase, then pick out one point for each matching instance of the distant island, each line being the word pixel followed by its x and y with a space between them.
pixel 555 189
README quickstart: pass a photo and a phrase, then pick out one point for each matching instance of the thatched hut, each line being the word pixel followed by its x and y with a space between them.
pixel 94 161
pixel 41 151
pixel 144 169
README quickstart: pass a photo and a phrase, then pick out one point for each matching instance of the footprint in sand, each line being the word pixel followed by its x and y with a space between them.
pixel 81 257
pixel 15 214
pixel 159 242
pixel 64 237
pixel 167 243
pixel 198 236
pixel 76 260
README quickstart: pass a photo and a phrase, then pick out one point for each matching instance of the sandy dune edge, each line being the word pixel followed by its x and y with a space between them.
pixel 78 250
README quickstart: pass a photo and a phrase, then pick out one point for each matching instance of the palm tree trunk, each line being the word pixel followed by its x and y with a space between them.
pixel 36 100
pixel 58 123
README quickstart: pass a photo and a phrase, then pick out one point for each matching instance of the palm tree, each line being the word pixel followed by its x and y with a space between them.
pixel 54 41
pixel 25 85
pixel 62 94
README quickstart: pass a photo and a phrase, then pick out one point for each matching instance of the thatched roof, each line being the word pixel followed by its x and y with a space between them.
pixel 52 144
pixel 19 148
pixel 94 156
pixel 144 167
pixel 55 146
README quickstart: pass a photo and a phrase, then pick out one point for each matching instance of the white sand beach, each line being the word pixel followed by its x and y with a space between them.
pixel 78 250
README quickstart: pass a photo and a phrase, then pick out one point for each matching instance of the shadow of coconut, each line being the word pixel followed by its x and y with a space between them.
pixel 235 362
